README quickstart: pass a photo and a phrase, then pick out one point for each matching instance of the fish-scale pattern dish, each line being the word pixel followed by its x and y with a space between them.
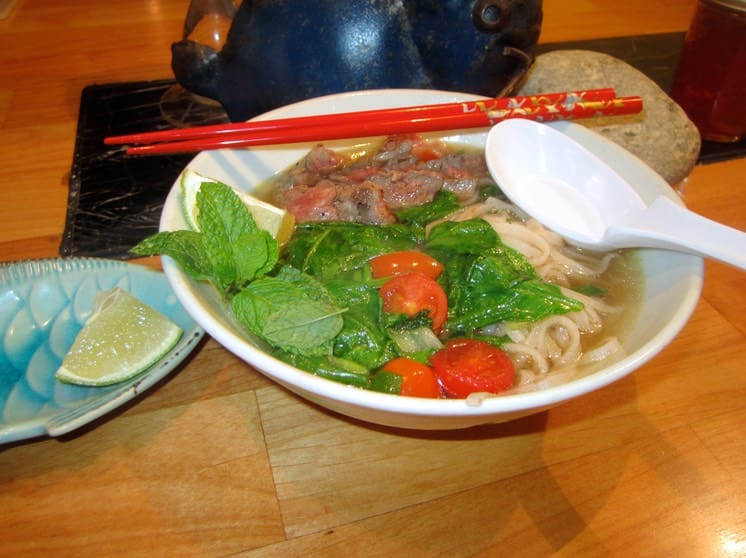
pixel 43 306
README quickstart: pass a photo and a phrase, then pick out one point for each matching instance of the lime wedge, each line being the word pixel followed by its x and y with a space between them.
pixel 122 338
pixel 276 221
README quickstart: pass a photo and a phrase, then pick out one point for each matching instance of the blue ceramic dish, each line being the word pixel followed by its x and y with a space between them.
pixel 43 306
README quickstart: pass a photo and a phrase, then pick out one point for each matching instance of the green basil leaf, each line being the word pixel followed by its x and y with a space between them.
pixel 329 250
pixel 527 301
pixel 443 203
pixel 592 290
pixel 362 341
pixel 329 367
pixel 473 236
pixel 386 382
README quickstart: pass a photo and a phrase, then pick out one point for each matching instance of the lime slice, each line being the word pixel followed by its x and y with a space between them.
pixel 122 338
pixel 276 221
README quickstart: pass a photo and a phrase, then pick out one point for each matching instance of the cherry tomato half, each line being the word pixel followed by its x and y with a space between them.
pixel 426 152
pixel 466 366
pixel 417 379
pixel 405 261
pixel 414 292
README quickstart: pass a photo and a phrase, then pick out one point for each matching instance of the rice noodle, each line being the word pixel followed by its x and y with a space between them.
pixel 604 350
pixel 552 346
pixel 553 259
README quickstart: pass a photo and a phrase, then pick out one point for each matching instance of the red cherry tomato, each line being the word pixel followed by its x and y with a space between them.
pixel 428 150
pixel 466 366
pixel 417 379
pixel 405 261
pixel 414 292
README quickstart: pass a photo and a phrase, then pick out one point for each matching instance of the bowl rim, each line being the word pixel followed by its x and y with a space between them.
pixel 314 387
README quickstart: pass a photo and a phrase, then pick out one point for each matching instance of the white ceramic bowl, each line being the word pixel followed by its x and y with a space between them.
pixel 673 282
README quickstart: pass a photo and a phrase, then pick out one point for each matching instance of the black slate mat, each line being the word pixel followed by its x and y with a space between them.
pixel 115 201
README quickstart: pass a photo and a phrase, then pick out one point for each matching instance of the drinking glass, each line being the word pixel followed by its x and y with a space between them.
pixel 710 82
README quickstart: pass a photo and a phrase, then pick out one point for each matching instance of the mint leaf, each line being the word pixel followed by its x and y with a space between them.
pixel 256 302
pixel 303 327
pixel 312 288
pixel 284 315
pixel 185 247
pixel 229 250
pixel 257 254
pixel 224 222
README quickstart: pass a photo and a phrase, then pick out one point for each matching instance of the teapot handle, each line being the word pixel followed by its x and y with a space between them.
pixel 196 67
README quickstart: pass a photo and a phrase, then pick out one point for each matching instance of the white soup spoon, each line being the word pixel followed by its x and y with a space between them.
pixel 574 193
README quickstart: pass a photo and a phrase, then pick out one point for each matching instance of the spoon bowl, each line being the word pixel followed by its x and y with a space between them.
pixel 571 191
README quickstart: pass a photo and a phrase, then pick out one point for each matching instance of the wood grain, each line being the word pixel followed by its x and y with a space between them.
pixel 218 461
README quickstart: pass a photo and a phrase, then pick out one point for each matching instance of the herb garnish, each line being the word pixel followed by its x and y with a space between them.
pixel 317 304
pixel 290 310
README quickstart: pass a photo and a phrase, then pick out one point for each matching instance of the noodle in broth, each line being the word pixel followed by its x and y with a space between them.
pixel 543 352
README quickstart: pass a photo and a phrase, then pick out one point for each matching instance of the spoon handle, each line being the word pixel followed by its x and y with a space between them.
pixel 664 224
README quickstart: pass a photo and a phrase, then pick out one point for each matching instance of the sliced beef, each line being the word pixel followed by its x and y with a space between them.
pixel 406 171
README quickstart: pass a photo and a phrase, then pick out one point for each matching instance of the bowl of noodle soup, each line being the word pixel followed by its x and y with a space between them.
pixel 652 292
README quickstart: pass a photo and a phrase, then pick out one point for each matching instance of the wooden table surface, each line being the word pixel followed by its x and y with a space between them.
pixel 218 461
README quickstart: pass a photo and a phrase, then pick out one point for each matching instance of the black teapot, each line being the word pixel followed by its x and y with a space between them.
pixel 281 51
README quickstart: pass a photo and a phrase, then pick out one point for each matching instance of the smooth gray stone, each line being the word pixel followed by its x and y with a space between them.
pixel 661 135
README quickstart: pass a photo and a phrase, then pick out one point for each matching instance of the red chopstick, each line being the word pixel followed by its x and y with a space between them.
pixel 402 113
pixel 476 114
